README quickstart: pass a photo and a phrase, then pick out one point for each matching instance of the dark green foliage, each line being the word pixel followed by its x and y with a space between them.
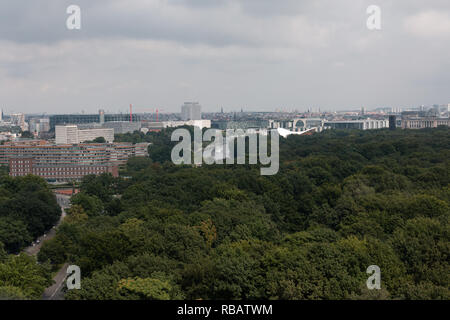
pixel 99 140
pixel 13 234
pixel 27 209
pixel 341 201
pixel 22 278
pixel 27 135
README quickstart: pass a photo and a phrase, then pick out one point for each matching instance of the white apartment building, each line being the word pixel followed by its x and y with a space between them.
pixel 70 134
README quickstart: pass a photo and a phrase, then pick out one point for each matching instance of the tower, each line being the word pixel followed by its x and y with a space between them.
pixel 101 113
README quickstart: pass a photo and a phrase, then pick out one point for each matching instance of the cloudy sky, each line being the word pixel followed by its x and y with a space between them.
pixel 255 54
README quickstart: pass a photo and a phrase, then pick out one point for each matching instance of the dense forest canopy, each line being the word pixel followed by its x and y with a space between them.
pixel 27 209
pixel 341 201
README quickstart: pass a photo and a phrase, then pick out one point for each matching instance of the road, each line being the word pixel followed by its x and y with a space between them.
pixel 53 292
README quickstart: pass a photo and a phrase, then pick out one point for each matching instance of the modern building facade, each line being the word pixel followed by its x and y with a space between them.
pixel 367 124
pixel 71 134
pixel 246 124
pixel 101 117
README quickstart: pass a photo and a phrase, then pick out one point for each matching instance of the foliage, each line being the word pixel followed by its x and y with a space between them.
pixel 341 201
pixel 22 278
pixel 28 209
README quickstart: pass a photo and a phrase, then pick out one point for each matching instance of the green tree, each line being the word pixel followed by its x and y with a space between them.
pixel 14 234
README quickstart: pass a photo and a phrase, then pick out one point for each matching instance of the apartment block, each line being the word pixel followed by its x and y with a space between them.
pixel 59 163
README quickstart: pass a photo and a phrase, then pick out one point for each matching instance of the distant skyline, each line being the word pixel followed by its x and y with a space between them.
pixel 284 110
pixel 260 55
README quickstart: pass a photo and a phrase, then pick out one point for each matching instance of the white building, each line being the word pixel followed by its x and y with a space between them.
pixel 70 134
pixel 171 124
pixel 191 111
pixel 367 124
pixel 66 134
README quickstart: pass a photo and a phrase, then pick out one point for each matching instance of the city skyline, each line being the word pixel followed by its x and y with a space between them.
pixel 258 55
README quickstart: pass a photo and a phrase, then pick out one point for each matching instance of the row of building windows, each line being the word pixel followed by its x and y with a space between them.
pixel 67 172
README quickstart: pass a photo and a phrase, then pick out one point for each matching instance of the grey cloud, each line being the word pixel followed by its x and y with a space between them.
pixel 259 54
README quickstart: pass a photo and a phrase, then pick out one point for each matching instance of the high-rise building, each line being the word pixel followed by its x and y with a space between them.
pixel 44 125
pixel 18 119
pixel 66 134
pixel 101 113
pixel 191 111
pixel 392 122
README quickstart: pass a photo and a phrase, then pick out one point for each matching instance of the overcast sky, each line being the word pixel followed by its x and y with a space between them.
pixel 255 54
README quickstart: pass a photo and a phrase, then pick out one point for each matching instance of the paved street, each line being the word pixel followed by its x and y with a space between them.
pixel 54 292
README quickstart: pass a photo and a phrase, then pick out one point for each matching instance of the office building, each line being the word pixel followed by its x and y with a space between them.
pixel 367 124
pixel 191 111
pixel 72 134
pixel 392 122
pixel 119 127
pixel 101 117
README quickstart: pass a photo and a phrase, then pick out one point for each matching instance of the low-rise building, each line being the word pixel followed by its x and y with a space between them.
pixel 416 122
pixel 367 124
pixel 171 124
pixel 60 173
